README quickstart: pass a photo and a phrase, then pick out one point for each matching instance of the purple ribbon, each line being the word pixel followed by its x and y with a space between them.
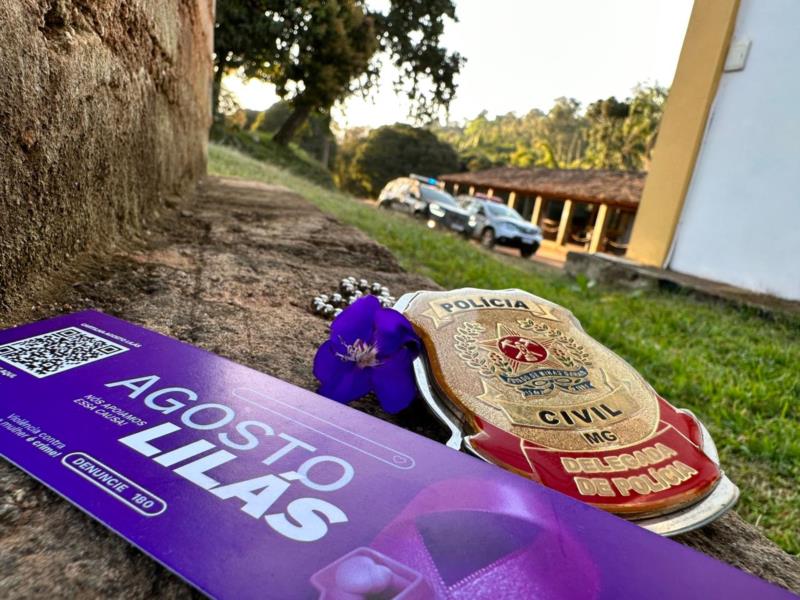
pixel 473 541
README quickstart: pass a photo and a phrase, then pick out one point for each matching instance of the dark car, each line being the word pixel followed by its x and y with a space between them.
pixel 422 197
pixel 442 210
pixel 495 223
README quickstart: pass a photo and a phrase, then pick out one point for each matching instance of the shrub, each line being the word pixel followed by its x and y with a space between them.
pixel 367 164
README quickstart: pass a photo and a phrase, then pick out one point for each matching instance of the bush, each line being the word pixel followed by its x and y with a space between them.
pixel 367 164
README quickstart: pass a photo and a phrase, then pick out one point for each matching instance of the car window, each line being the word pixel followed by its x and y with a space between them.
pixel 503 211
pixel 476 208
pixel 432 194
pixel 472 205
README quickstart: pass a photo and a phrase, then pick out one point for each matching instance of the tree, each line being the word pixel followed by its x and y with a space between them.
pixel 368 163
pixel 244 39
pixel 314 136
pixel 333 44
pixel 641 127
pixel 562 132
pixel 605 133
pixel 610 134
pixel 318 52
pixel 621 135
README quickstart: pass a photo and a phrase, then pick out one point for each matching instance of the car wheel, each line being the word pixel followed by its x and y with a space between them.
pixel 528 250
pixel 487 238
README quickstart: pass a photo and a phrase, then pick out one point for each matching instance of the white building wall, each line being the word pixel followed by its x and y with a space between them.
pixel 741 218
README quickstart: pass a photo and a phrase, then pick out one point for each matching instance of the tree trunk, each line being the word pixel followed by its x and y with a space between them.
pixel 292 124
pixel 216 89
pixel 326 152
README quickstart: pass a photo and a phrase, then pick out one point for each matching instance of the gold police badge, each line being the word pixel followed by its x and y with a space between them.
pixel 520 384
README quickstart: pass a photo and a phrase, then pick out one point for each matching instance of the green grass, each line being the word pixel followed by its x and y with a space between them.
pixel 260 146
pixel 734 367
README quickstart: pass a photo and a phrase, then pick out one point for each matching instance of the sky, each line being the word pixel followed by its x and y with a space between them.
pixel 523 54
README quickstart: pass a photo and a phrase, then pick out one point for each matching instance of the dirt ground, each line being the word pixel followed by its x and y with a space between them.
pixel 232 270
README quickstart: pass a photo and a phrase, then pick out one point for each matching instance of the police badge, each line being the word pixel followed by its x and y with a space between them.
pixel 520 384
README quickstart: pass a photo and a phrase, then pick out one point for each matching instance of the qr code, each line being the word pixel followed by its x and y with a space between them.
pixel 57 351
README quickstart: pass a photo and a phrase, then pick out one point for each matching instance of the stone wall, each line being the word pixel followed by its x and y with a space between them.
pixel 104 111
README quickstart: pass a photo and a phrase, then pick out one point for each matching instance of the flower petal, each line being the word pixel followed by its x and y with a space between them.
pixel 339 379
pixel 393 381
pixel 356 322
pixel 393 332
pixel 347 385
pixel 326 363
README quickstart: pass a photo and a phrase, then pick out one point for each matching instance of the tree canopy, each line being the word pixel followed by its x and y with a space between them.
pixel 367 163
pixel 318 52
pixel 609 134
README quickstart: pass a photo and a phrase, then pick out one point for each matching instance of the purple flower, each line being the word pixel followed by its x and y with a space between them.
pixel 370 350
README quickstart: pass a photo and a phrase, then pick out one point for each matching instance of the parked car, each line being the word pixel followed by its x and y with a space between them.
pixel 409 194
pixel 495 223
pixel 422 197
pixel 444 211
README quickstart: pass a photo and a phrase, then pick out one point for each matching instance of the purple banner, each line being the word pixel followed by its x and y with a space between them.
pixel 249 487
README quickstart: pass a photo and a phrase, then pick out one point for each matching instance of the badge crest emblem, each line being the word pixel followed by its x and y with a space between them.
pixel 520 384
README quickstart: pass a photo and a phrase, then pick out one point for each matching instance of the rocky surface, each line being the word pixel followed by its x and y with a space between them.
pixel 233 271
pixel 104 110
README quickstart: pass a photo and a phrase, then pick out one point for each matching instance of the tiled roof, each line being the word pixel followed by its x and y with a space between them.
pixel 623 188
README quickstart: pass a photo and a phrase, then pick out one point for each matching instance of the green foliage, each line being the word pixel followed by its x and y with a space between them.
pixel 732 366
pixel 242 42
pixel 367 164
pixel 621 135
pixel 562 133
pixel 610 134
pixel 260 146
pixel 271 119
pixel 410 35
pixel 314 136
pixel 318 52
pixel 333 42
